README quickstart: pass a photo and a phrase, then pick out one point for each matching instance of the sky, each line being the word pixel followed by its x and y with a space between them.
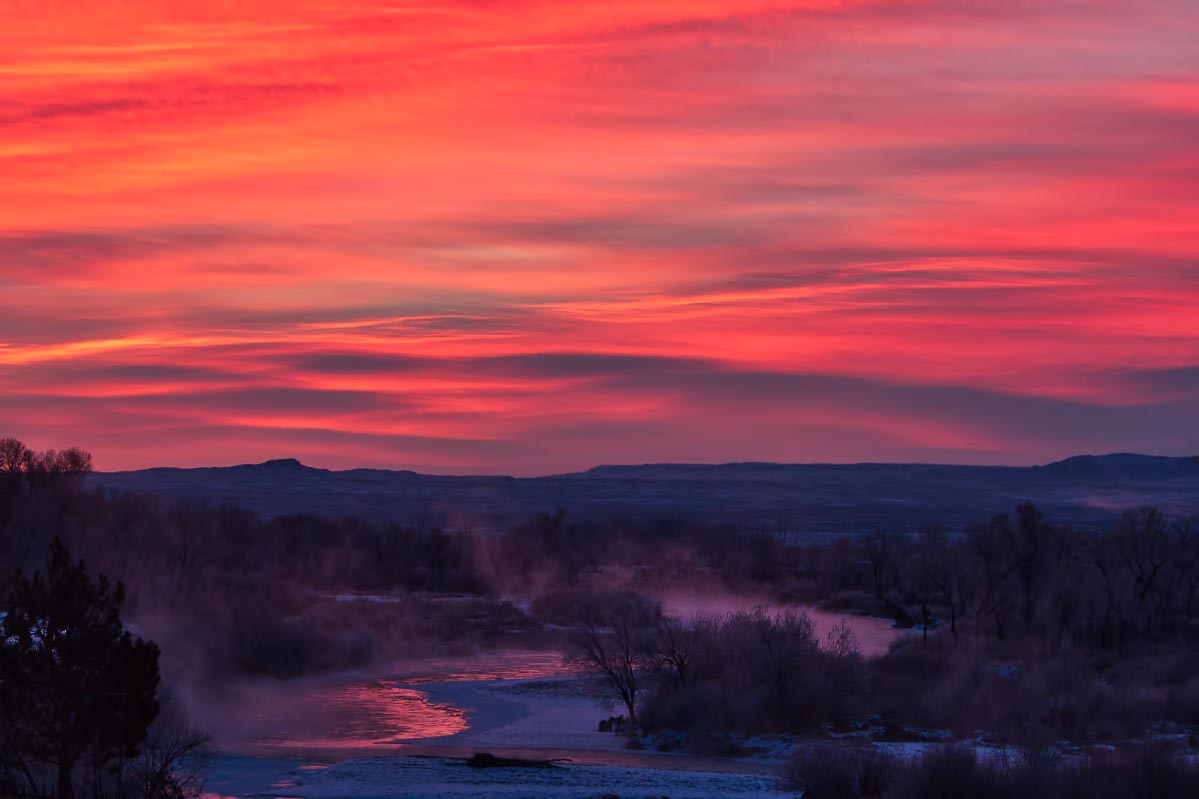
pixel 525 237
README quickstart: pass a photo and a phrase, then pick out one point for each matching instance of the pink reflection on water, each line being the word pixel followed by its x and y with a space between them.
pixel 360 716
pixel 510 665
pixel 356 714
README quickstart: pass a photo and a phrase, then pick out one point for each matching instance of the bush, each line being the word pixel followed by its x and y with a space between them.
pixel 877 771
pixel 1150 771
pixel 751 673
pixel 840 771
pixel 693 710
pixel 845 771
pixel 824 771
pixel 171 765
pixel 953 772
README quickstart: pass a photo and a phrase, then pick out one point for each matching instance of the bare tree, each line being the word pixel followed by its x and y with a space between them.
pixel 184 549
pixel 775 648
pixel 988 550
pixel 1033 532
pixel 171 765
pixel 15 458
pixel 877 549
pixel 1186 532
pixel 1143 544
pixel 940 560
pixel 619 656
pixel 840 641
pixel 71 462
pixel 550 526
pixel 677 645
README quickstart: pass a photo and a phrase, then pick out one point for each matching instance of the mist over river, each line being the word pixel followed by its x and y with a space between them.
pixel 403 706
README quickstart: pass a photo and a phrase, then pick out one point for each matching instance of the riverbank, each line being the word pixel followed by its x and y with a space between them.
pixel 554 718
pixel 549 718
pixel 436 778
pixel 415 722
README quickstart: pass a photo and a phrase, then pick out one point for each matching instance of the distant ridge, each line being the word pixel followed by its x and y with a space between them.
pixel 1124 461
pixel 1084 490
pixel 1103 461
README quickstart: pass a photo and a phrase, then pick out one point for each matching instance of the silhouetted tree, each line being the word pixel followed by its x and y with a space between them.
pixel 34 487
pixel 92 685
pixel 774 648
pixel 550 525
pixel 21 467
pixel 620 655
pixel 677 645
pixel 171 765
pixel 942 567
pixel 877 549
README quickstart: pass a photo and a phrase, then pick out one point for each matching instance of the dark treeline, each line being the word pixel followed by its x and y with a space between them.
pixel 81 712
pixel 1022 577
pixel 223 588
pixel 1026 632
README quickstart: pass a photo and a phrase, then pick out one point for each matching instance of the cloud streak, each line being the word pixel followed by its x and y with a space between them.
pixel 526 238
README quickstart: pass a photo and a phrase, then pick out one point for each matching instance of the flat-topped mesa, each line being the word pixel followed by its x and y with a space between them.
pixel 280 463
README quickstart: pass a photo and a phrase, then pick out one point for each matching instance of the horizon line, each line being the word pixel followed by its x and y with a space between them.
pixel 652 464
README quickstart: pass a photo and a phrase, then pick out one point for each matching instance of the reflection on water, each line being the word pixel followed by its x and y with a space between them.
pixel 363 715
pixel 353 712
pixel 502 665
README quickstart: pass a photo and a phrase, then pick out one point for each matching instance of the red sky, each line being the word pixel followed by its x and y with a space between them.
pixel 528 237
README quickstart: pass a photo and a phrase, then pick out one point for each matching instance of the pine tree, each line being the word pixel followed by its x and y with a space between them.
pixel 90 687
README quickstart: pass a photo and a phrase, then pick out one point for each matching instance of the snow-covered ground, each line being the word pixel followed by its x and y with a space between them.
pixel 435 778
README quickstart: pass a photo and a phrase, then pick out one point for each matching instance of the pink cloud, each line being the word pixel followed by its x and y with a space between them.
pixel 527 237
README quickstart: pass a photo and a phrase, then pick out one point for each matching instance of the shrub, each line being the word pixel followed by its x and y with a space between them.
pixel 824 771
pixel 877 771
pixel 840 771
pixel 1148 772
pixel 953 772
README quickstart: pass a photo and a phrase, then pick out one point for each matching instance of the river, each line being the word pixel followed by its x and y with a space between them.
pixel 402 707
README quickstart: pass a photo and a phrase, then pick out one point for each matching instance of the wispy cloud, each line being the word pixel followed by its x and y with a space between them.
pixel 528 237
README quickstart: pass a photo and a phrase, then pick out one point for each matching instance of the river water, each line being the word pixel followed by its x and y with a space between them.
pixel 385 710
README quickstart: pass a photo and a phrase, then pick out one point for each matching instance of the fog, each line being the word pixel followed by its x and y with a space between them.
pixel 874 635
